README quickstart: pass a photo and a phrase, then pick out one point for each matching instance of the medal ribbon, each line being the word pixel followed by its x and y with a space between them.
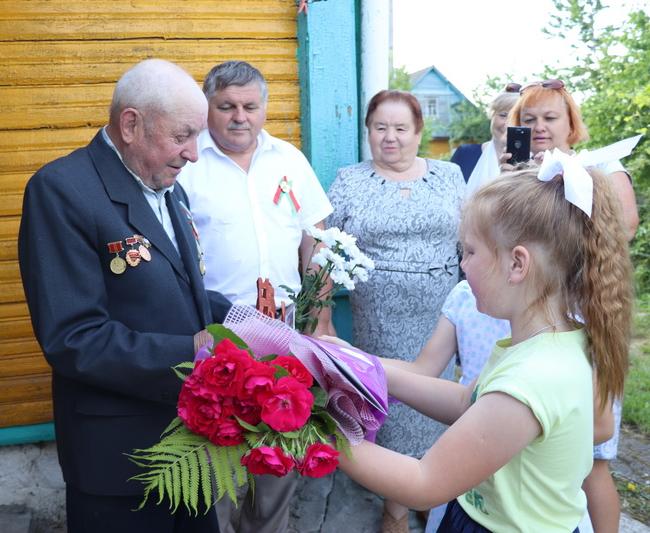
pixel 115 247
pixel 284 187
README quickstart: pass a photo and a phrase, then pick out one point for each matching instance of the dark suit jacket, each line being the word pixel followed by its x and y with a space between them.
pixel 466 156
pixel 110 339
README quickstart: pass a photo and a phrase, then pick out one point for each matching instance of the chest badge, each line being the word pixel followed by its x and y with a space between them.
pixel 285 190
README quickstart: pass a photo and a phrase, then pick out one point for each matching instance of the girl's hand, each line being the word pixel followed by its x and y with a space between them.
pixel 538 157
pixel 335 340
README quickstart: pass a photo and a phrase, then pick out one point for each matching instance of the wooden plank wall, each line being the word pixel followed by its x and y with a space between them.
pixel 60 60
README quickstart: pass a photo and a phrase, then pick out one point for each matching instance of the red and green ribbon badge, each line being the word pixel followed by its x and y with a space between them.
pixel 284 189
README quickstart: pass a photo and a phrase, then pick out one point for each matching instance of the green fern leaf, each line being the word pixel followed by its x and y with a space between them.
pixel 206 478
pixel 234 454
pixel 222 473
pixel 195 478
pixel 173 426
pixel 174 487
pixel 165 488
pixel 188 366
pixel 182 492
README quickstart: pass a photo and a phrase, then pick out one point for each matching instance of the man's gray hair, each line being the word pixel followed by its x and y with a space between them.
pixel 237 73
pixel 155 85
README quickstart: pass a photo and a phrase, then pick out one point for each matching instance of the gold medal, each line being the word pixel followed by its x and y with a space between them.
pixel 144 253
pixel 118 265
pixel 133 258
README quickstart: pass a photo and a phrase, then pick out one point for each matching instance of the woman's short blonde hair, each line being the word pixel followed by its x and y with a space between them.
pixel 503 103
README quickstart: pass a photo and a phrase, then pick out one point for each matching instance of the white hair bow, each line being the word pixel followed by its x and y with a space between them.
pixel 578 185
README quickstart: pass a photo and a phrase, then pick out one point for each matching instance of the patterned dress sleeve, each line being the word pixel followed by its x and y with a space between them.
pixel 339 197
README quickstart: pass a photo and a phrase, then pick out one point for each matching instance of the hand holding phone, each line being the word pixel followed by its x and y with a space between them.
pixel 518 144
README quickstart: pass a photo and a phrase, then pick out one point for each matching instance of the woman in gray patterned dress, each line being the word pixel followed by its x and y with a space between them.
pixel 404 211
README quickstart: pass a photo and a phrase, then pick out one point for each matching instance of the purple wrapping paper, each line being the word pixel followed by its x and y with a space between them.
pixel 354 381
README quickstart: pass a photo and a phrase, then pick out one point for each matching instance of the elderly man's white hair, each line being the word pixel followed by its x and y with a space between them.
pixel 155 85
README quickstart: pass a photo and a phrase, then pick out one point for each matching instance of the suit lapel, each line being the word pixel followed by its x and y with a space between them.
pixel 122 188
pixel 188 250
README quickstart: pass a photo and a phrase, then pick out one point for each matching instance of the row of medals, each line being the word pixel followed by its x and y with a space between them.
pixel 133 256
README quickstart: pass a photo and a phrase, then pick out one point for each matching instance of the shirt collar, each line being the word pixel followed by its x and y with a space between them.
pixel 137 178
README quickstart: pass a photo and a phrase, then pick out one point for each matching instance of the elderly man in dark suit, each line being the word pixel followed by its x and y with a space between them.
pixel 112 272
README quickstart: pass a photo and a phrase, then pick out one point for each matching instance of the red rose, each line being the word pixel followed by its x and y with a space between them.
pixel 199 414
pixel 319 460
pixel 223 374
pixel 288 406
pixel 268 460
pixel 248 410
pixel 227 432
pixel 258 378
pixel 294 366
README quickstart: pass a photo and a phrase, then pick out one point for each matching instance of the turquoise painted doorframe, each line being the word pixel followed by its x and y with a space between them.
pixel 328 59
pixel 328 68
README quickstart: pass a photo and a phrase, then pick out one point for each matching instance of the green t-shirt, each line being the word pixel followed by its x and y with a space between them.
pixel 540 488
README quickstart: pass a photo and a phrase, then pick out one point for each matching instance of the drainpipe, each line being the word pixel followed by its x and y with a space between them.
pixel 375 44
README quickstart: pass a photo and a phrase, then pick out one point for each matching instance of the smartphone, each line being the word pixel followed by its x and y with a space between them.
pixel 518 144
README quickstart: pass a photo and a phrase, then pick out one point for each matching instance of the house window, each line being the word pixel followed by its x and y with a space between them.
pixel 430 107
pixel 436 107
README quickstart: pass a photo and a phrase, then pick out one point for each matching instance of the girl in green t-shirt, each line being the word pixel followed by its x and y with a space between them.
pixel 542 245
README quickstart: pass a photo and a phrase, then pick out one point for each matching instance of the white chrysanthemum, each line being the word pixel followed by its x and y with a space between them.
pixel 341 277
pixel 337 260
pixel 360 273
pixel 316 233
pixel 320 258
pixel 347 243
pixel 365 261
pixel 330 236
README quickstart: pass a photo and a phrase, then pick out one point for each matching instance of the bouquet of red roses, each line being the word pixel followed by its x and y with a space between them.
pixel 239 415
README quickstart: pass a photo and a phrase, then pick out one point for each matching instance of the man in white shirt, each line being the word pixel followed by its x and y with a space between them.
pixel 252 196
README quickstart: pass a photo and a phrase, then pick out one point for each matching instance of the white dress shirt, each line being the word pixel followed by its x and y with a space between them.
pixel 243 232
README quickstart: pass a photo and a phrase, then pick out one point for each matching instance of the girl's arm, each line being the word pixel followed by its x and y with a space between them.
pixel 486 437
pixel 436 353
pixel 603 417
pixel 436 398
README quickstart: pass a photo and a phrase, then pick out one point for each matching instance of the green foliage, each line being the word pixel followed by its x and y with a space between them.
pixel 220 332
pixel 470 122
pixel 469 125
pixel 636 404
pixel 427 132
pixel 184 466
pixel 399 79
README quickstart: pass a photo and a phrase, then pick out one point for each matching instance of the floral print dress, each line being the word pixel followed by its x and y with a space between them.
pixel 410 230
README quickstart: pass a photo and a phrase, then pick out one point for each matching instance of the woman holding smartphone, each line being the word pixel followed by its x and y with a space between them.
pixel 553 116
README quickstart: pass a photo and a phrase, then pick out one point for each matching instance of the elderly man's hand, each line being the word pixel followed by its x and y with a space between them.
pixel 201 339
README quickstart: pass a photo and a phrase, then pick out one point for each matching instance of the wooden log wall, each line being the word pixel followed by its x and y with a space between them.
pixel 59 62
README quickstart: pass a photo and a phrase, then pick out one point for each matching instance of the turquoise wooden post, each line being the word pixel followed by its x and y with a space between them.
pixel 327 62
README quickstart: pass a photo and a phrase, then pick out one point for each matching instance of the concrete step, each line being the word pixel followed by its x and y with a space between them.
pixel 15 519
